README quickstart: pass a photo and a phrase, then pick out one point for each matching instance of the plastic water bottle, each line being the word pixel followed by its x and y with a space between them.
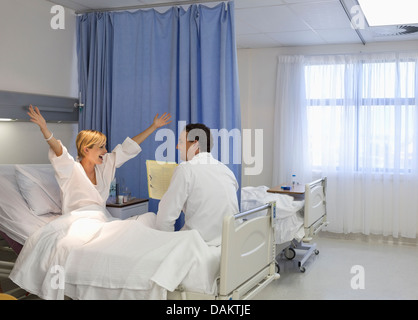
pixel 112 192
pixel 293 180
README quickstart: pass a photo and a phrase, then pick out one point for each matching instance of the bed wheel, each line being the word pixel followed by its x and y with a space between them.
pixel 290 253
pixel 316 252
pixel 302 269
pixel 277 268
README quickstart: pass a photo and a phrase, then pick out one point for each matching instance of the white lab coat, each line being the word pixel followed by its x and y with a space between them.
pixel 77 190
pixel 206 190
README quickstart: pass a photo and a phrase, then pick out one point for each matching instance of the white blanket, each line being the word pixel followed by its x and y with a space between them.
pixel 85 250
pixel 289 219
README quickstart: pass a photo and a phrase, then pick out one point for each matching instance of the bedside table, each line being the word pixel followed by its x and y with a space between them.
pixel 128 209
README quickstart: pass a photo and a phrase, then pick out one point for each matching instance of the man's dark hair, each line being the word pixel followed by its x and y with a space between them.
pixel 200 132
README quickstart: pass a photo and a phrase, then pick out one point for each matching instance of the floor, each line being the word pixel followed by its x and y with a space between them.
pixel 346 268
pixel 352 267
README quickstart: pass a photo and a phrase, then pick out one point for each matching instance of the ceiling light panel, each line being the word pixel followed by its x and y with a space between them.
pixel 389 12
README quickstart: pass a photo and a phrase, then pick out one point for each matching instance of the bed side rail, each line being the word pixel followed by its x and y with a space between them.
pixel 248 251
pixel 315 211
pixel 272 214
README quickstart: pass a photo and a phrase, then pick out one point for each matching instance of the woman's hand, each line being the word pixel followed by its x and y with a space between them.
pixel 157 123
pixel 162 121
pixel 36 117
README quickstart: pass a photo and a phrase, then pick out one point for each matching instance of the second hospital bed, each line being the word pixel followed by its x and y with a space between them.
pixel 298 221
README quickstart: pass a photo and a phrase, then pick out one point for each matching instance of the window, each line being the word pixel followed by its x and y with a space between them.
pixel 362 114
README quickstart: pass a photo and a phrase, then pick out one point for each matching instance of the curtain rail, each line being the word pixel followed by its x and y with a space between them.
pixel 149 6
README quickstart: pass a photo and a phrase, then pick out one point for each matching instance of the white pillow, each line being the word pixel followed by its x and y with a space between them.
pixel 39 188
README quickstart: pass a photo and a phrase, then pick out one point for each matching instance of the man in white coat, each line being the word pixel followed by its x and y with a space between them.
pixel 202 187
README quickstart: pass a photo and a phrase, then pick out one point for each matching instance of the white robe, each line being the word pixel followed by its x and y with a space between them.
pixel 81 202
pixel 206 191
pixel 77 190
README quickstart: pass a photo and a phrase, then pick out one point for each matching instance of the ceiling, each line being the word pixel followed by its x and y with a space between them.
pixel 279 23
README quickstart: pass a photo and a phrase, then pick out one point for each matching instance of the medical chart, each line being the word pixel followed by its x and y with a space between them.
pixel 159 175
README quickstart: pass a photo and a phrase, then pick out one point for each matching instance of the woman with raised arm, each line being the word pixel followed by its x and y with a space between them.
pixel 85 183
pixel 86 253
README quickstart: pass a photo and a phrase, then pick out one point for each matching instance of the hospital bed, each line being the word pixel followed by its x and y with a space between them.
pixel 245 262
pixel 297 221
pixel 247 257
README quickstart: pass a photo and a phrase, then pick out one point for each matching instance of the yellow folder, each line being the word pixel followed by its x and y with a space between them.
pixel 159 175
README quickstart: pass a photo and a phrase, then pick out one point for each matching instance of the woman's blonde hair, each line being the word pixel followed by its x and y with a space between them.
pixel 88 138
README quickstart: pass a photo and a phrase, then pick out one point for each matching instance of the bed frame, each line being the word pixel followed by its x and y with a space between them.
pixel 315 218
pixel 247 257
pixel 6 266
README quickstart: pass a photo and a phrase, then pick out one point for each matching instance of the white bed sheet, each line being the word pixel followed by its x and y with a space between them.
pixel 16 219
pixel 289 219
pixel 113 255
pixel 116 269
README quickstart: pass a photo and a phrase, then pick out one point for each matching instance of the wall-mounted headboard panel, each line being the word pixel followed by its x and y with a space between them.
pixel 14 105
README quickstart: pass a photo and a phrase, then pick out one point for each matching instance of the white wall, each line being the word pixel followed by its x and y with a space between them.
pixel 34 58
pixel 257 76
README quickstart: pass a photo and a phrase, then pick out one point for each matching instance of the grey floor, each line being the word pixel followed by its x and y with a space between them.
pixel 388 270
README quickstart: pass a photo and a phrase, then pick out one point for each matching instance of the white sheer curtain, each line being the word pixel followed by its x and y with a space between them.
pixel 362 115
pixel 291 152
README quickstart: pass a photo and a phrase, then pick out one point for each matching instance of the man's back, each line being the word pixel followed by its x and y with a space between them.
pixel 206 190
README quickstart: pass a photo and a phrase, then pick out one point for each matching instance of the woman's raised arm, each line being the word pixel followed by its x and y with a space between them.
pixel 157 123
pixel 36 117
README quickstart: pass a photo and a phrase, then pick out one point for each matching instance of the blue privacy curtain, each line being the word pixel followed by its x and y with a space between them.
pixel 94 50
pixel 133 65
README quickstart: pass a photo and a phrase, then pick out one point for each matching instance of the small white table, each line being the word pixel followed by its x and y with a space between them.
pixel 128 209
